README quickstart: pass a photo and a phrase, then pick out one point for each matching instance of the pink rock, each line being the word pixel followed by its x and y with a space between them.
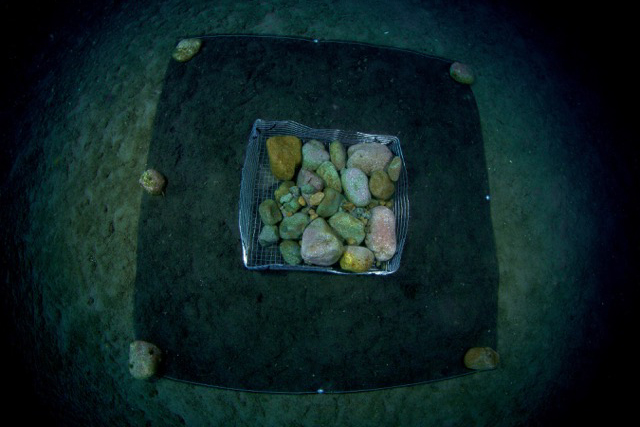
pixel 320 245
pixel 381 235
pixel 368 156
pixel 356 186
pixel 462 73
pixel 305 176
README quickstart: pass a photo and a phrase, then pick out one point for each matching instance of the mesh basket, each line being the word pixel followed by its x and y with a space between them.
pixel 259 184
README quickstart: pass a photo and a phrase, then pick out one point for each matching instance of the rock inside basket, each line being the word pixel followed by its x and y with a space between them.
pixel 323 200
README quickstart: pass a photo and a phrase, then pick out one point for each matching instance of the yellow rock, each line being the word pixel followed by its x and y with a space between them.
pixel 301 201
pixel 356 259
pixel 285 155
pixel 316 198
pixel 481 358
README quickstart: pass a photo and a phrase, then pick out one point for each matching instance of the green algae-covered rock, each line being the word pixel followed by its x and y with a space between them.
pixel 313 155
pixel 268 235
pixel 290 250
pixel 292 227
pixel 327 171
pixel 330 203
pixel 348 227
pixel 269 212
pixel 338 155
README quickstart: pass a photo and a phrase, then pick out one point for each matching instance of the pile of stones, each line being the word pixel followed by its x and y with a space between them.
pixel 334 205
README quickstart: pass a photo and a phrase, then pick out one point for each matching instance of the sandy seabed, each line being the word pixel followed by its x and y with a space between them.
pixel 559 188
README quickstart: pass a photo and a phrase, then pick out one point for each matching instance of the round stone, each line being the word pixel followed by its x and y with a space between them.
pixel 316 198
pixel 462 73
pixel 330 203
pixel 186 49
pixel 269 212
pixel 290 250
pixel 348 227
pixel 144 359
pixel 314 154
pixel 309 182
pixel 292 227
pixel 481 358
pixel 268 235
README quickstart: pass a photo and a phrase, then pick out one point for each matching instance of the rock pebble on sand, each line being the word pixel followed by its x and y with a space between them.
pixel 481 358
pixel 153 182
pixel 462 73
pixel 144 359
pixel 186 49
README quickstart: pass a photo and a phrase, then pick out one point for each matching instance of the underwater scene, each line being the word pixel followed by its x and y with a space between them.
pixel 301 213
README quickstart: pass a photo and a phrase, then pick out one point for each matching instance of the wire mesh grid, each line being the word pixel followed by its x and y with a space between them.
pixel 259 184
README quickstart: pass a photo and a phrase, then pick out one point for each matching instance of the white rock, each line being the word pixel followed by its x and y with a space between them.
pixel 368 157
pixel 355 185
